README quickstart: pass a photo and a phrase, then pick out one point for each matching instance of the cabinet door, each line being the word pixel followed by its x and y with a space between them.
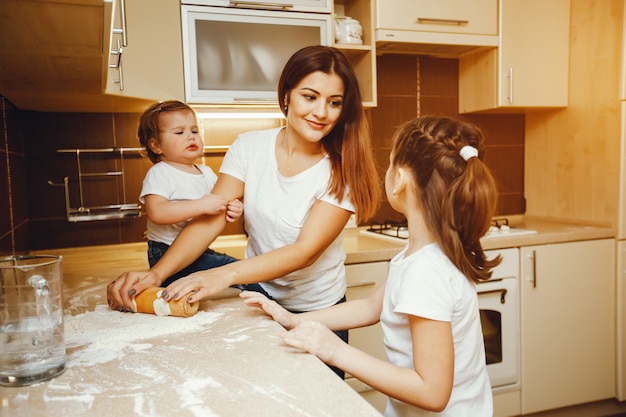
pixel 568 324
pixel 478 17
pixel 530 67
pixel 361 280
pixel 151 65
pixel 534 53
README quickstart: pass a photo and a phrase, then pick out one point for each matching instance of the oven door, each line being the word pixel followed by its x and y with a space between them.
pixel 498 302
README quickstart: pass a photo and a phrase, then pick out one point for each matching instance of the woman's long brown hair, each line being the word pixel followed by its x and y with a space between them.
pixel 348 145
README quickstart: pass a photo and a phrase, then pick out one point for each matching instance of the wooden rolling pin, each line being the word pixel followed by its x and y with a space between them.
pixel 150 301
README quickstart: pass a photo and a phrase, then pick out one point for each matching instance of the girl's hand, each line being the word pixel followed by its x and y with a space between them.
pixel 234 210
pixel 315 338
pixel 255 299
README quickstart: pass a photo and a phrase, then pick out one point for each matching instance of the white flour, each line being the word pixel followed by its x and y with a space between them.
pixel 107 334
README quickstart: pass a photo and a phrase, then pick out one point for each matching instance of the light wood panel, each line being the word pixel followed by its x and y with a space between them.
pixel 572 155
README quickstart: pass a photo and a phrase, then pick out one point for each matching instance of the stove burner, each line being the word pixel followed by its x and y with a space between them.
pixel 500 227
pixel 391 228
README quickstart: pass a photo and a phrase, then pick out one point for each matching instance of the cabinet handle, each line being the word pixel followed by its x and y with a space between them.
pixel 118 51
pixel 120 71
pixel 502 294
pixel 533 279
pixel 510 76
pixel 266 6
pixel 122 30
pixel 442 21
pixel 361 284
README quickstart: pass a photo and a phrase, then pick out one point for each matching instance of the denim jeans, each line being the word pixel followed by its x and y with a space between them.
pixel 209 259
pixel 343 334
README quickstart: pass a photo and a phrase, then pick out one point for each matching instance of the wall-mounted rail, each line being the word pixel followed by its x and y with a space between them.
pixel 119 210
pixel 83 212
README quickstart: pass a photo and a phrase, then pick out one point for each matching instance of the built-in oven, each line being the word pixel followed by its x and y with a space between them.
pixel 498 301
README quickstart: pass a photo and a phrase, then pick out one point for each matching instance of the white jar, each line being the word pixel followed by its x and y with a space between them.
pixel 348 30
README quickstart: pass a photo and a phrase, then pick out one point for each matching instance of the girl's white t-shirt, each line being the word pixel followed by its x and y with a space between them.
pixel 175 185
pixel 276 208
pixel 427 284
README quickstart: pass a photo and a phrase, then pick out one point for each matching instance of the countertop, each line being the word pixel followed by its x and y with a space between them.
pixel 227 360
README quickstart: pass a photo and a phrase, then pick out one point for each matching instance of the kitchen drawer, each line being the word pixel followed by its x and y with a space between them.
pixel 362 279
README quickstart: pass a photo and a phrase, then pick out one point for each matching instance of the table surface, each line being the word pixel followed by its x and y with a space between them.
pixel 227 360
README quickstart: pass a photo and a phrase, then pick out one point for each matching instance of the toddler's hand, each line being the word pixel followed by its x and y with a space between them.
pixel 234 210
pixel 213 204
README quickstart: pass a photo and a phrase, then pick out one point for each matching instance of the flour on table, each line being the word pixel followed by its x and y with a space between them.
pixel 105 334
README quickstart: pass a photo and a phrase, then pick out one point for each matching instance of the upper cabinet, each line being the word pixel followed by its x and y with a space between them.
pixel 529 68
pixel 146 60
pixel 362 57
pixel 436 27
pixel 51 52
pixel 234 52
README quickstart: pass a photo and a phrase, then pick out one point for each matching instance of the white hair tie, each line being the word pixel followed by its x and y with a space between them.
pixel 468 152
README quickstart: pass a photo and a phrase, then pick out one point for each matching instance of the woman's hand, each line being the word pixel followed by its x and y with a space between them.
pixel 234 210
pixel 315 338
pixel 285 318
pixel 120 293
pixel 203 283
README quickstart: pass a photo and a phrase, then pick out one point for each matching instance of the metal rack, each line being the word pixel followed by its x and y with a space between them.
pixel 121 210
pixel 103 212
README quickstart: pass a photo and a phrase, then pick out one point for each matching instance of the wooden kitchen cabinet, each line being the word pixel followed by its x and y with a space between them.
pixel 151 63
pixel 529 68
pixel 362 279
pixel 362 57
pixel 424 26
pixel 479 17
pixel 568 324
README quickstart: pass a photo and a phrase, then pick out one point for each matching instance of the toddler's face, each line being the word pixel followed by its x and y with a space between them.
pixel 179 138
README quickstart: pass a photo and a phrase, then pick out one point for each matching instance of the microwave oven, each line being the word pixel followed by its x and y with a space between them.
pixel 235 56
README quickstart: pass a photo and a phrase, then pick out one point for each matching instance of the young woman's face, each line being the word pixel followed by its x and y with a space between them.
pixel 179 138
pixel 314 105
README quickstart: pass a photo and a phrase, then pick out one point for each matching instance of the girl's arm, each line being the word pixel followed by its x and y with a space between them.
pixel 349 315
pixel 427 385
pixel 323 224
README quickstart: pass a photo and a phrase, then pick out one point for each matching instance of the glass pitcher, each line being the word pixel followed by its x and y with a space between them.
pixel 32 344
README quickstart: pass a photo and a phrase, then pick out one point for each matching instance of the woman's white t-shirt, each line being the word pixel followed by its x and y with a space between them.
pixel 276 208
pixel 427 284
pixel 175 185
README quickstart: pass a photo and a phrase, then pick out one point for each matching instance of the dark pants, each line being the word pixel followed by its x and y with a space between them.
pixel 343 334
pixel 209 259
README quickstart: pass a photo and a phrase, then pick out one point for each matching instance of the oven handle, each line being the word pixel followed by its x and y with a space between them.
pixel 502 294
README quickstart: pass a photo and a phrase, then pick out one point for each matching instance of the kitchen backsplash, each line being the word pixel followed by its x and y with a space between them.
pixel 33 217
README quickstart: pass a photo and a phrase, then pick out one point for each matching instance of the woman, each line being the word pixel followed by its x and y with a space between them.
pixel 299 183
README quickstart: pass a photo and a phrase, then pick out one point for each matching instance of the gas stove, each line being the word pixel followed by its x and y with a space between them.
pixel 399 231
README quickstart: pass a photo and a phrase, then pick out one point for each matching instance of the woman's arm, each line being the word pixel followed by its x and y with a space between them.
pixel 324 223
pixel 194 239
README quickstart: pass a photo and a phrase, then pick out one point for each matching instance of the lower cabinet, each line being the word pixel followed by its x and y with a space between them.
pixel 568 324
pixel 362 279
